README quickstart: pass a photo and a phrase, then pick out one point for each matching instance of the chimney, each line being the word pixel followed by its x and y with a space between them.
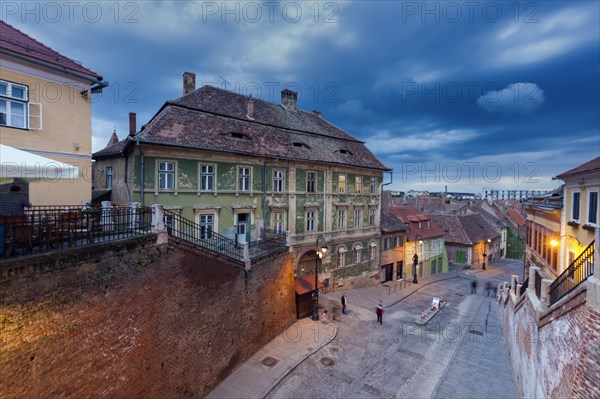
pixel 250 113
pixel 289 99
pixel 189 82
pixel 132 124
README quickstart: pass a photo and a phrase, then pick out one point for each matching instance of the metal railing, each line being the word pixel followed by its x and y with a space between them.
pixel 44 229
pixel 575 274
pixel 271 243
pixel 538 284
pixel 184 229
pixel 524 287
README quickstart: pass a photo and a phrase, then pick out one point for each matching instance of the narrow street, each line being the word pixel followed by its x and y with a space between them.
pixel 455 355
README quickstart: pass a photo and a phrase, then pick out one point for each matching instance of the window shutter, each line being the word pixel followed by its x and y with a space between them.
pixel 35 116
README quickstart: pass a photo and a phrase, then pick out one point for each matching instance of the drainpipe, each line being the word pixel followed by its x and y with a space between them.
pixel 264 201
pixel 123 155
pixel 137 142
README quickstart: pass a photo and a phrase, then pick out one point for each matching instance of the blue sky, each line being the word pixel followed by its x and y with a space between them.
pixel 465 94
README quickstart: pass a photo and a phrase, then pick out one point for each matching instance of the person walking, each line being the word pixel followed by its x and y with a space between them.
pixel 488 288
pixel 474 287
pixel 379 312
pixel 344 303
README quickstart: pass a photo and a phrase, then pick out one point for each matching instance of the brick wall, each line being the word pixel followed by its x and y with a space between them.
pixel 554 353
pixel 135 321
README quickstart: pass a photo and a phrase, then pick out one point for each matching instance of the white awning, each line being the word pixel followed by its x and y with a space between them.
pixel 18 164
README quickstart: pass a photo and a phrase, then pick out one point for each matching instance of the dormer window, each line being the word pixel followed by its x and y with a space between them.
pixel 242 136
pixel 344 152
pixel 300 145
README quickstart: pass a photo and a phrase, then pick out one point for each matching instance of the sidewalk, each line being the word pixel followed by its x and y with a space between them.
pixel 259 374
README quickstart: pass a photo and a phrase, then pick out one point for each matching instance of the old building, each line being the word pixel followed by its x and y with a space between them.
pixel 235 165
pixel 393 255
pixel 45 109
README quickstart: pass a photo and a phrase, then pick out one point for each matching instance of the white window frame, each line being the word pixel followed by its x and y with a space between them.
pixel 571 216
pixel 372 217
pixel 166 173
pixel 357 255
pixel 244 180
pixel 357 217
pixel 109 176
pixel 341 214
pixel 8 100
pixel 311 217
pixel 208 177
pixel 278 179
pixel 591 211
pixel 311 185
pixel 279 221
pixel 207 233
pixel 373 188
pixel 357 184
pixel 372 252
pixel 341 258
pixel 342 183
pixel 388 243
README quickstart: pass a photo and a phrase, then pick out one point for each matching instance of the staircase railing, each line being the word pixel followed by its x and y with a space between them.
pixel 524 287
pixel 575 274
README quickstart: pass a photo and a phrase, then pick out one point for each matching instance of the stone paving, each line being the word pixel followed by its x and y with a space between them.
pixel 452 356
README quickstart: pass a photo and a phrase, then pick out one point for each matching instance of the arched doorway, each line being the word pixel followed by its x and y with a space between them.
pixel 306 264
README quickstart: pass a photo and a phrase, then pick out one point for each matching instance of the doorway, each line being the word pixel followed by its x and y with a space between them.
pixel 243 228
pixel 387 271
pixel 399 270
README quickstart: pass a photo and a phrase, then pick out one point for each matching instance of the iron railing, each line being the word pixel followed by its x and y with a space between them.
pixel 272 242
pixel 524 287
pixel 575 274
pixel 538 284
pixel 184 229
pixel 44 229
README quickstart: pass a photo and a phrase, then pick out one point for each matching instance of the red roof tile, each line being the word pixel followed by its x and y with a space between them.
pixel 412 217
pixel 516 216
pixel 13 40
pixel 590 166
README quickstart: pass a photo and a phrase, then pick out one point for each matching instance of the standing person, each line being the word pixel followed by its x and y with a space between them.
pixel 379 312
pixel 474 287
pixel 488 288
pixel 344 303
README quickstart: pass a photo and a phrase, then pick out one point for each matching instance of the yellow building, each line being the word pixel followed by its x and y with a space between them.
pixel 580 213
pixel 45 109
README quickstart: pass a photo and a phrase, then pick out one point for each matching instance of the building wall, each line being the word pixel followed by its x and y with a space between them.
pixel 66 133
pixel 394 255
pixel 135 320
pixel 542 227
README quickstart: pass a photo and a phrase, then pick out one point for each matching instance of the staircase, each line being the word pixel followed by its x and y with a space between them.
pixel 180 228
pixel 575 274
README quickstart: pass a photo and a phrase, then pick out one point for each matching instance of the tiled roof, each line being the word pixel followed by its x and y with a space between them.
pixel 111 149
pixel 185 123
pixel 15 41
pixel 391 223
pixel 453 229
pixel 477 228
pixel 516 216
pixel 590 166
pixel 410 216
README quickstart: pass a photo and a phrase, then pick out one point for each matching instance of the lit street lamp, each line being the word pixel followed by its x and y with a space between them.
pixel 321 250
pixel 484 254
pixel 415 259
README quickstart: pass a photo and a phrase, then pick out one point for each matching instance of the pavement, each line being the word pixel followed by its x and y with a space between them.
pixel 262 373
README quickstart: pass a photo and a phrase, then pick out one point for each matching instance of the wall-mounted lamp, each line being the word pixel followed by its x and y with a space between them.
pixel 555 242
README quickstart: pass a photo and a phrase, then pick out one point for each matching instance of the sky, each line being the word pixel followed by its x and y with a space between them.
pixel 459 94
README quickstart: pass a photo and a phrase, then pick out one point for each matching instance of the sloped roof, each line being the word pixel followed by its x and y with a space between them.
pixel 391 223
pixel 406 213
pixel 111 149
pixel 12 40
pixel 516 216
pixel 453 229
pixel 477 228
pixel 588 167
pixel 297 135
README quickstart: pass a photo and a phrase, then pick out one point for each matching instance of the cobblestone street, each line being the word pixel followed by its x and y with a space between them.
pixel 455 355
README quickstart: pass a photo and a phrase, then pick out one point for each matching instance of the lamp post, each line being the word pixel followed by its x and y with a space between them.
pixel 484 254
pixel 320 251
pixel 415 259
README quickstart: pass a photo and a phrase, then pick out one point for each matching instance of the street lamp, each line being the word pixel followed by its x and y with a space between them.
pixel 415 258
pixel 321 250
pixel 484 254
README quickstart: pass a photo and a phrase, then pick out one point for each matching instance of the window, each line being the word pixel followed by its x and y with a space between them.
pixel 372 252
pixel 109 177
pixel 592 214
pixel 372 219
pixel 575 205
pixel 397 241
pixel 373 185
pixel 341 258
pixel 389 243
pixel 278 222
pixel 341 183
pixel 207 177
pixel 14 102
pixel 278 181
pixel 207 225
pixel 310 221
pixel 358 184
pixel 341 218
pixel 311 179
pixel 166 175
pixel 243 178
pixel 357 217
pixel 357 254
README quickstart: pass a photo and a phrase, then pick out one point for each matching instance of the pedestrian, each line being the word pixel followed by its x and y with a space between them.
pixel 324 316
pixel 379 312
pixel 488 288
pixel 474 287
pixel 344 303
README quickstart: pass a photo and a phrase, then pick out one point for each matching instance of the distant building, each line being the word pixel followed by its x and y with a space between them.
pixel 492 194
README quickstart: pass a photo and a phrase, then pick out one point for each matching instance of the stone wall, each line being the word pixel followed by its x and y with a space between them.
pixel 135 320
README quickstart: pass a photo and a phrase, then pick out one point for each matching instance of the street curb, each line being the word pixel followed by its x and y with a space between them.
pixel 418 289
pixel 430 315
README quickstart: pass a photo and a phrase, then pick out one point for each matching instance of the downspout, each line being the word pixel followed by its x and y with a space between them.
pixel 264 199
pixel 137 143
pixel 123 155
pixel 381 235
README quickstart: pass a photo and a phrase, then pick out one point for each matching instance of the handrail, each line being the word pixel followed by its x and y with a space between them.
pixel 538 284
pixel 524 287
pixel 577 272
